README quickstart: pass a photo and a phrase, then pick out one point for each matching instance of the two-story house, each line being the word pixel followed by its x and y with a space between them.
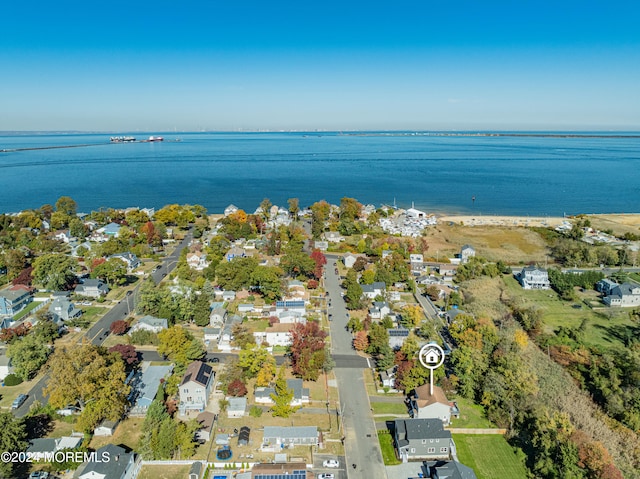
pixel 93 288
pixel 61 309
pixel 421 439
pixel 532 277
pixel 12 300
pixel 195 387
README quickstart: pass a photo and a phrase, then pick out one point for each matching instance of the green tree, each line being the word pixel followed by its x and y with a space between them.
pixel 319 215
pixel 113 271
pixel 294 207
pixel 268 280
pixel 66 205
pixel 179 345
pixel 201 310
pixel 13 438
pixel 353 294
pixel 282 397
pixel 54 271
pixel 236 274
pixel 90 377
pixel 253 359
pixel 27 354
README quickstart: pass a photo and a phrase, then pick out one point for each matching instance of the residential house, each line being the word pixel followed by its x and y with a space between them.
pixel 444 470
pixel 93 288
pixel 218 316
pixel 290 436
pixel 421 439
pixel 130 259
pixel 64 236
pixel 110 230
pixel 277 335
pixel 226 335
pixel 206 420
pixel 466 253
pixel 321 245
pixel 5 366
pixel 40 448
pixel 605 286
pixel 144 387
pixel 397 337
pixel 296 288
pixel 532 277
pixel 228 295
pixel 281 471
pixel 624 295
pixel 447 270
pixel 13 300
pixel 231 209
pixel 75 249
pixel 388 377
pixel 150 323
pixel 349 260
pixel 416 263
pixel 119 466
pixel 197 261
pixel 195 387
pixel 414 213
pixel 262 395
pixel 372 290
pixel 237 407
pixel 196 470
pixel 61 309
pixel 245 308
pixel 425 405
pixel 333 237
pixel 379 309
pixel 235 252
pixel 295 305
pixel 211 334
pixel 106 428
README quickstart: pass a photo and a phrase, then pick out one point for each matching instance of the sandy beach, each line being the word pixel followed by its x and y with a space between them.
pixel 489 220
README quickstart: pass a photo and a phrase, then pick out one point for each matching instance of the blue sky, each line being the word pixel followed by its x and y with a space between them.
pixel 210 65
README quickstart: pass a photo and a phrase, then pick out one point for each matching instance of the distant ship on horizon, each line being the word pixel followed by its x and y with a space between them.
pixel 155 138
pixel 122 139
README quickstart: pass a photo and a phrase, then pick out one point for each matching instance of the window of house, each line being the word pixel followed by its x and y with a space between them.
pixel 424 441
pixel 413 450
pixel 443 449
pixel 431 450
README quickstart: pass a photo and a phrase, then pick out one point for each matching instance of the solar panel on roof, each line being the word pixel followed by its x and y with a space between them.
pixel 203 374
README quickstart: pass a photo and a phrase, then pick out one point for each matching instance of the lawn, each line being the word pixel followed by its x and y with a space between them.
pixel 471 415
pixel 605 327
pixel 164 471
pixel 389 408
pixel 30 307
pixel 490 456
pixel 128 433
pixel 386 445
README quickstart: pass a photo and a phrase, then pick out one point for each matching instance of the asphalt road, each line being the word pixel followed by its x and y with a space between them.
pixel 100 330
pixel 361 439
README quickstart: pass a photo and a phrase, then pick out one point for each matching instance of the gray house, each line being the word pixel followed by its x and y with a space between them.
pixel 195 387
pixel 13 300
pixel 444 470
pixel 119 466
pixel 93 288
pixel 294 436
pixel 532 277
pixel 61 309
pixel 262 395
pixel 624 295
pixel 421 439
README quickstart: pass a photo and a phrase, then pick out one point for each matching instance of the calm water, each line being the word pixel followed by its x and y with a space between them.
pixel 507 175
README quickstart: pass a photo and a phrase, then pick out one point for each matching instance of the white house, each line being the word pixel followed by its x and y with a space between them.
pixel 93 288
pixel 150 323
pixel 5 367
pixel 624 295
pixel 466 253
pixel 197 261
pixel 349 260
pixel 532 277
pixel 236 407
pixel 379 309
pixel 431 406
pixel 372 290
pixel 130 259
pixel 277 335
pixel 218 316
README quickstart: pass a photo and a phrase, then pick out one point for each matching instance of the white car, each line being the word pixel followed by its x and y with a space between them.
pixel 325 475
pixel 330 463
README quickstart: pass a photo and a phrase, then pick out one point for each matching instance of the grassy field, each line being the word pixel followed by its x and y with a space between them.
pixel 386 445
pixel 511 245
pixel 164 471
pixel 490 456
pixel 389 408
pixel 128 433
pixel 471 415
pixel 619 224
pixel 605 327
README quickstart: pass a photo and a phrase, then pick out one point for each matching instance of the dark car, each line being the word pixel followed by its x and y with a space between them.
pixel 215 360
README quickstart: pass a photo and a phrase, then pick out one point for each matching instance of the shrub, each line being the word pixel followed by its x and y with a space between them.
pixel 12 380
pixel 255 411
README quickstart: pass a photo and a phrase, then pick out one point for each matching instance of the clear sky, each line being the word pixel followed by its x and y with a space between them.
pixel 191 65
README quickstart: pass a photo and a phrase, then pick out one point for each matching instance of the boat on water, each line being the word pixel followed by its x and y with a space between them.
pixel 122 139
pixel 156 138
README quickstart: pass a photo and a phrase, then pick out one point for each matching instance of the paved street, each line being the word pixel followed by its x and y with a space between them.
pixel 361 440
pixel 99 331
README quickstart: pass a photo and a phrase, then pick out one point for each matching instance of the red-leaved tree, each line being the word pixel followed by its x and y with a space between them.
pixel 308 354
pixel 128 353
pixel 119 327
pixel 320 261
pixel 236 388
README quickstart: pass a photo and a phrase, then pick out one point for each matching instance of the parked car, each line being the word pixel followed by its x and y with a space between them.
pixel 331 463
pixel 17 402
pixel 68 411
pixel 325 475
